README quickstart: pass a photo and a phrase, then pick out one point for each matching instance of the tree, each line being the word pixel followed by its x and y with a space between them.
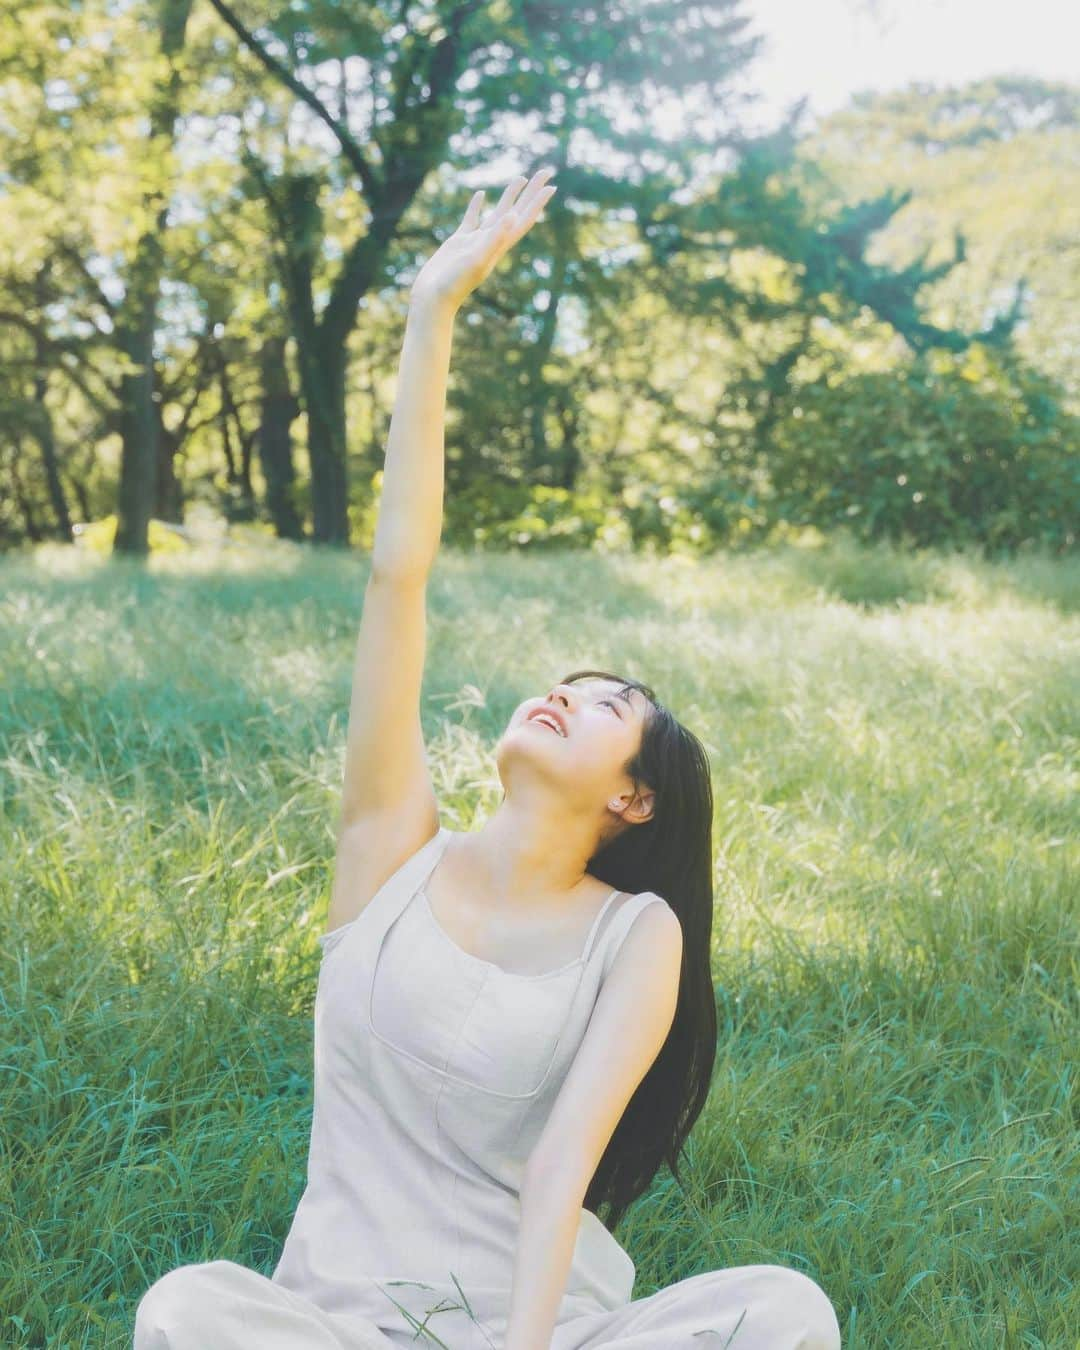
pixel 437 79
pixel 136 317
pixel 997 159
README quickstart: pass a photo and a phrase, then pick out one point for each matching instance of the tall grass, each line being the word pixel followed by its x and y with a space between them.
pixel 893 741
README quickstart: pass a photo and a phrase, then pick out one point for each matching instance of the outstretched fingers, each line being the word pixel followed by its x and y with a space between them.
pixel 478 245
pixel 506 201
pixel 528 205
pixel 521 202
pixel 527 215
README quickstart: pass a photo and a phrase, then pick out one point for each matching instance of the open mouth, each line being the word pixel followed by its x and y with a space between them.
pixel 548 722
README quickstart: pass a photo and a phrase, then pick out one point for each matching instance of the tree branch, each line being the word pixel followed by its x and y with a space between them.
pixel 68 250
pixel 350 149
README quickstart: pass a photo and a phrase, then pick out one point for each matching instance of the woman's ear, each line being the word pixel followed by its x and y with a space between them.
pixel 638 810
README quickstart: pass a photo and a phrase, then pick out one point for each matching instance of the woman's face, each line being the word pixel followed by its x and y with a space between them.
pixel 601 731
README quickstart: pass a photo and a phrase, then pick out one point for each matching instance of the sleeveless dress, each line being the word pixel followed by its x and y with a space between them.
pixel 434 1073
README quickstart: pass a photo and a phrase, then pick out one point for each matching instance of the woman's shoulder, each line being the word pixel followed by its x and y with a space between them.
pixel 624 913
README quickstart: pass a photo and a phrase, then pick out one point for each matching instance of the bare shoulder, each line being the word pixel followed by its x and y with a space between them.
pixel 370 849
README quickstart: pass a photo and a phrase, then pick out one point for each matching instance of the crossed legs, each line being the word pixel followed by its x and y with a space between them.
pixel 762 1307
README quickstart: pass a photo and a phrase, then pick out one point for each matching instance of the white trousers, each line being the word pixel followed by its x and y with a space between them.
pixel 220 1305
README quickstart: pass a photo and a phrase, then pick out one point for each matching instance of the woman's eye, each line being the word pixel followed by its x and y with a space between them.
pixel 611 705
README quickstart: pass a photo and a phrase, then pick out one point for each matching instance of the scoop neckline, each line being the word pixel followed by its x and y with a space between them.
pixel 501 971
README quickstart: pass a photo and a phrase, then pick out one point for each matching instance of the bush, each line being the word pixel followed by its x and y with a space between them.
pixel 499 515
pixel 948 450
pixel 98 536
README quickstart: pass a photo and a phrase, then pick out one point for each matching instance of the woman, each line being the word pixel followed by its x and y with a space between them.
pixel 514 1026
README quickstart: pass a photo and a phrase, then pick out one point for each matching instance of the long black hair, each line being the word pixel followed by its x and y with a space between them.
pixel 670 854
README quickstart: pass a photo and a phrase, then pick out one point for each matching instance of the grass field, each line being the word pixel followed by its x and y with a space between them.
pixel 894 749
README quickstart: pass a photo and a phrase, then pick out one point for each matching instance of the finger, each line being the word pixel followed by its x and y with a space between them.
pixel 472 212
pixel 542 200
pixel 524 219
pixel 506 201
pixel 531 193
pixel 519 194
pixel 521 216
pixel 505 232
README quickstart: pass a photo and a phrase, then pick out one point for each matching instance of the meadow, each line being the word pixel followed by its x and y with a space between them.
pixel 893 739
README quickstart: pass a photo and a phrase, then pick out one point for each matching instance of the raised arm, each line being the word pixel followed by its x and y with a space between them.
pixel 388 807
pixel 410 509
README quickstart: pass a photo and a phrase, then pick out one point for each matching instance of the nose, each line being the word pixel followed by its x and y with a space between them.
pixel 563 692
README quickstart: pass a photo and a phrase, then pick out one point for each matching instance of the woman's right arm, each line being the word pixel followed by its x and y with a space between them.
pixel 388 806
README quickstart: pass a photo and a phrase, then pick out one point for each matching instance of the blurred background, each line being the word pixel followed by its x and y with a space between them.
pixel 809 266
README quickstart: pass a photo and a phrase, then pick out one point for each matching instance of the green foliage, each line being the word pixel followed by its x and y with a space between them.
pixel 499 515
pixel 967 450
pixel 998 160
pixel 647 517
pixel 651 369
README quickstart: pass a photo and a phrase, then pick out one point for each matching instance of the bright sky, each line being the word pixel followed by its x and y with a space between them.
pixel 830 49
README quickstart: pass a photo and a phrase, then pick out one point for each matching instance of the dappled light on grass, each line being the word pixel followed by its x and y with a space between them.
pixel 895 948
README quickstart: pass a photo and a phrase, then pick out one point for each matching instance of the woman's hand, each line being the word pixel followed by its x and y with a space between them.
pixel 464 259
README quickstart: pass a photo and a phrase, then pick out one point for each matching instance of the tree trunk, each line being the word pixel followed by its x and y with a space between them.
pixel 568 464
pixel 82 496
pixel 231 475
pixel 138 417
pixel 242 504
pixel 564 244
pixel 279 409
pixel 169 493
pixel 138 315
pixel 43 434
pixel 170 498
pixel 322 376
pixel 30 525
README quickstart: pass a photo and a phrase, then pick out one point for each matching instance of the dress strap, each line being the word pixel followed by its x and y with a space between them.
pixel 615 932
pixel 597 922
pixel 395 892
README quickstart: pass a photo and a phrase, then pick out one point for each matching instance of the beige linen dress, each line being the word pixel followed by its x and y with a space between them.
pixel 434 1074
